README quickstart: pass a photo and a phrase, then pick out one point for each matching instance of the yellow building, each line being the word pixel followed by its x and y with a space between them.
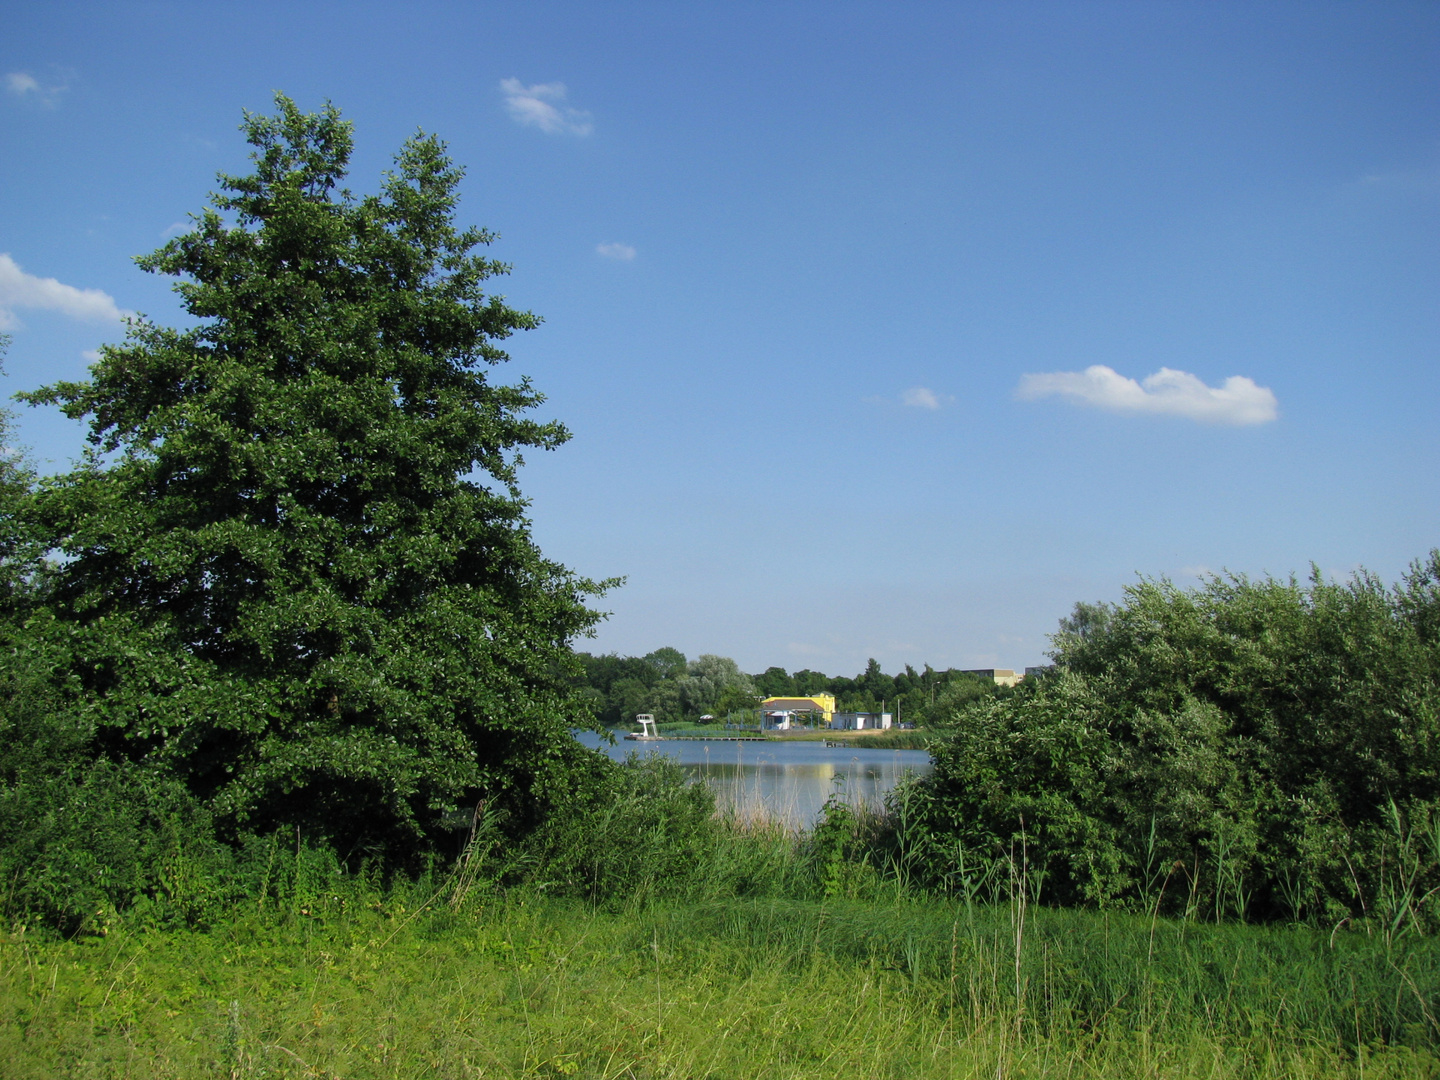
pixel 777 711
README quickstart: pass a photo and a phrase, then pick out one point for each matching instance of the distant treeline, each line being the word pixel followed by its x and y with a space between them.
pixel 673 689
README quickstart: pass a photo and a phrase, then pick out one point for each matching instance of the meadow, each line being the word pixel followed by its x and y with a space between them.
pixel 827 968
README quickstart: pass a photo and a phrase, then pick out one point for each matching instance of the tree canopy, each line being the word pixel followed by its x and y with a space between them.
pixel 296 567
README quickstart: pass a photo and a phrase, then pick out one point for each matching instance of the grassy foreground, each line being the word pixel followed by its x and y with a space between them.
pixel 524 986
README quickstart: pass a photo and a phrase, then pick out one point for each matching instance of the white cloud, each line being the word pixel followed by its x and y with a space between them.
pixel 917 397
pixel 24 85
pixel 1168 392
pixel 175 229
pixel 92 356
pixel 21 290
pixel 920 397
pixel 543 106
pixel 623 252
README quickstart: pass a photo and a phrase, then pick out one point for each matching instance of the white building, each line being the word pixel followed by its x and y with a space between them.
pixel 777 721
pixel 860 721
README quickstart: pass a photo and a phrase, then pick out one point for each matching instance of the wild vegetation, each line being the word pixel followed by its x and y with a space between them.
pixel 288 786
pixel 1264 750
pixel 711 947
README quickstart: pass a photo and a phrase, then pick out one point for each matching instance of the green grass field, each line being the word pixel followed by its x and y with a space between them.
pixel 359 986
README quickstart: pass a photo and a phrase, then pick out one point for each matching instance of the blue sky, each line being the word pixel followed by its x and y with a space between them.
pixel 883 330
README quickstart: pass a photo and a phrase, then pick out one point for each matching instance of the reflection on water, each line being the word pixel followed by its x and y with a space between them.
pixel 786 780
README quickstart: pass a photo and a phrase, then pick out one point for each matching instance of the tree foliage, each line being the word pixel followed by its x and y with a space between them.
pixel 1250 748
pixel 296 568
pixel 711 680
pixel 22 546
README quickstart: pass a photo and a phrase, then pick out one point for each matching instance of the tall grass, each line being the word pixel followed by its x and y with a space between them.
pixel 403 983
pixel 649 935
pixel 894 739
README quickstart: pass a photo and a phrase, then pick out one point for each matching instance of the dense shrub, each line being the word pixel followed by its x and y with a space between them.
pixel 646 832
pixel 78 847
pixel 1248 748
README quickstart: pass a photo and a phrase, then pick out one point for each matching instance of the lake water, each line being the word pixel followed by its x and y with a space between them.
pixel 787 780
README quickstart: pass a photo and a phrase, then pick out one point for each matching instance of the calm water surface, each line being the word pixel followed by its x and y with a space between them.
pixel 789 780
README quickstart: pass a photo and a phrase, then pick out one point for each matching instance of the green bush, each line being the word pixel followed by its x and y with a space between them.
pixel 76 848
pixel 646 831
pixel 1255 749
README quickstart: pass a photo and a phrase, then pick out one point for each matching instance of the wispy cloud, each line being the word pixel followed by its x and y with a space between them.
pixel 543 106
pixel 917 397
pixel 1169 392
pixel 1425 179
pixel 21 290
pixel 623 252
pixel 24 85
pixel 920 397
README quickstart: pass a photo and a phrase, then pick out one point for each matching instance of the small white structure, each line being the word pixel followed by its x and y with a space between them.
pixel 860 721
pixel 647 727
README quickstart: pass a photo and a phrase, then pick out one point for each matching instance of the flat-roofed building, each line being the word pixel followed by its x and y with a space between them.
pixel 860 721
pixel 1001 676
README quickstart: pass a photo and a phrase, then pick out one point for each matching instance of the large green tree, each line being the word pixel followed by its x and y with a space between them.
pixel 296 564
pixel 706 680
